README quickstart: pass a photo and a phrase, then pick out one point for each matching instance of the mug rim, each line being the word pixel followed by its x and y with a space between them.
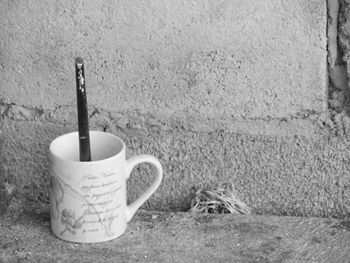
pixel 84 162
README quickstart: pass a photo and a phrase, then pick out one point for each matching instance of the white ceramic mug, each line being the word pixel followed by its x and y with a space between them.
pixel 88 199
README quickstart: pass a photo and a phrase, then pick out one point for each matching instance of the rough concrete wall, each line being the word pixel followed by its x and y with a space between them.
pixel 224 91
pixel 294 175
pixel 227 60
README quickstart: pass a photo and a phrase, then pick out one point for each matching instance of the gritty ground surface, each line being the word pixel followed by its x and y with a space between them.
pixel 181 237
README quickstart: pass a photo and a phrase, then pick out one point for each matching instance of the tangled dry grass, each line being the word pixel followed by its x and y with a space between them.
pixel 218 200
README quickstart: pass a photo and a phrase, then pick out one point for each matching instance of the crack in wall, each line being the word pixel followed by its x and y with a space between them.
pixel 12 111
pixel 306 123
pixel 338 91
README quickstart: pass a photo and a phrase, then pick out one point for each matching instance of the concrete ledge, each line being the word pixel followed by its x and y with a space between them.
pixel 181 237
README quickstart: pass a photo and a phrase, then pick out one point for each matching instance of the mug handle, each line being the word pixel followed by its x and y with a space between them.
pixel 130 164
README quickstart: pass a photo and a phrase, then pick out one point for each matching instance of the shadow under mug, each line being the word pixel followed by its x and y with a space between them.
pixel 88 199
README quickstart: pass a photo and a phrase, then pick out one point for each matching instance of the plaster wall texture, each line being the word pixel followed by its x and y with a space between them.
pixel 224 91
pixel 281 175
pixel 224 59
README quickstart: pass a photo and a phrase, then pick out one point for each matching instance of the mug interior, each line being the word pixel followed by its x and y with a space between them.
pixel 103 146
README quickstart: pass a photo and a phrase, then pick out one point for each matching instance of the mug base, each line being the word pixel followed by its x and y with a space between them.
pixel 87 240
